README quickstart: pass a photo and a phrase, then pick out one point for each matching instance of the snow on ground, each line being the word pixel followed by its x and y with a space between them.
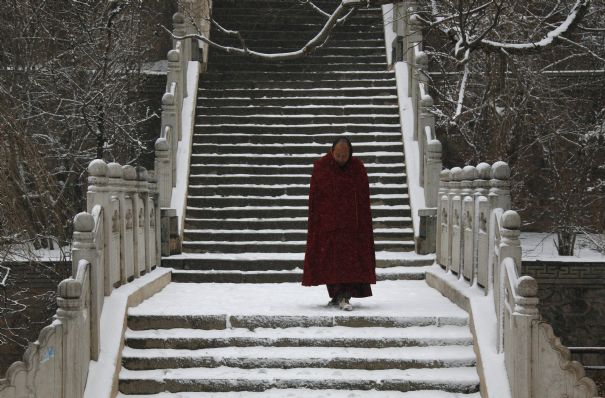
pixel 539 246
pixel 391 298
pixel 308 393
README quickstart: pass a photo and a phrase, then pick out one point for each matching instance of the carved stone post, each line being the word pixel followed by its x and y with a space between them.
pixel 171 127
pixel 99 194
pixel 455 230
pixel 155 219
pixel 70 304
pixel 84 248
pixel 442 219
pixel 142 225
pixel 179 29
pixel 115 184
pixel 469 174
pixel 421 62
pixel 163 169
pixel 432 173
pixel 131 207
pixel 174 96
pixel 500 186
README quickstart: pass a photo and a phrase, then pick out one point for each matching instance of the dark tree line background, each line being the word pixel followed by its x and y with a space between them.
pixel 73 87
pixel 525 82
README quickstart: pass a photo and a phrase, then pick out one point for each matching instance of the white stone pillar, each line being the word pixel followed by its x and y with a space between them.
pixel 500 186
pixel 163 169
pixel 432 173
pixel 442 219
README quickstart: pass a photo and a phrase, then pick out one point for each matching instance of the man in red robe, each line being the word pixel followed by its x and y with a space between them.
pixel 340 241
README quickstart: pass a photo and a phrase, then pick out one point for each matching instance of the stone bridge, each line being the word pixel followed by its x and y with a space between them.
pixel 185 278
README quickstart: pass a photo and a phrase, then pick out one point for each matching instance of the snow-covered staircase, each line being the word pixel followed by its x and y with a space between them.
pixel 282 340
pixel 260 125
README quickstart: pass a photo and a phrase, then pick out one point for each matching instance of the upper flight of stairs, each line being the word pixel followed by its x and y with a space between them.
pixel 261 124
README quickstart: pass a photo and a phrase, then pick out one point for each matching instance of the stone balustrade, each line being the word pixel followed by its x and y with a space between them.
pixel 407 47
pixel 478 242
pixel 114 242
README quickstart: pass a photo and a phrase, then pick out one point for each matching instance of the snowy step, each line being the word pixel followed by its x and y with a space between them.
pixel 291 84
pixel 395 273
pixel 301 357
pixel 283 235
pixel 300 66
pixel 358 90
pixel 291 148
pixel 275 169
pixel 402 265
pixel 300 37
pixel 463 379
pixel 282 211
pixel 279 246
pixel 313 128
pixel 285 159
pixel 335 336
pixel 280 189
pixel 302 119
pixel 334 75
pixel 287 200
pixel 263 179
pixel 281 223
pixel 323 139
pixel 308 393
pixel 295 110
pixel 298 101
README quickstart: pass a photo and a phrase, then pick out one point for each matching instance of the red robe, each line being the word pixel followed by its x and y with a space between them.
pixel 340 239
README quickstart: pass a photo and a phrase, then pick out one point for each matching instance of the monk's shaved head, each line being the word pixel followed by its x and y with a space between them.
pixel 342 150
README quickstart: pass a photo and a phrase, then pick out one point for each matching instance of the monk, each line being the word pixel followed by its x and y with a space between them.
pixel 340 241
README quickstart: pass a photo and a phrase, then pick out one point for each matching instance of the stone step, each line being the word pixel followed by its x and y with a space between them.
pixel 277 246
pixel 263 179
pixel 306 168
pixel 299 66
pixel 257 76
pixel 219 58
pixel 310 139
pixel 284 223
pixel 302 28
pixel 313 336
pixel 463 379
pixel 203 235
pixel 268 159
pixel 297 110
pixel 297 120
pixel 282 211
pixel 307 393
pixel 290 148
pixel 260 33
pixel 300 357
pixel 280 276
pixel 280 189
pixel 281 262
pixel 293 84
pixel 359 90
pixel 371 48
pixel 296 200
pixel 298 101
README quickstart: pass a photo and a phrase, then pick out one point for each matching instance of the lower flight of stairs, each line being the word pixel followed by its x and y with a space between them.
pixel 282 340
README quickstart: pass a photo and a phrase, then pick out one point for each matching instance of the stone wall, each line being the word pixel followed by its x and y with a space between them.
pixel 572 299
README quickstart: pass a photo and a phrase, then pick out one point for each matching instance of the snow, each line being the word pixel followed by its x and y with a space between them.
pixel 374 207
pixel 101 372
pixel 285 231
pixel 411 149
pixel 485 330
pixel 541 247
pixel 439 376
pixel 380 255
pixel 26 253
pixel 306 165
pixel 375 185
pixel 389 34
pixel 445 353
pixel 178 200
pixel 294 126
pixel 309 393
pixel 292 144
pixel 391 299
pixel 432 335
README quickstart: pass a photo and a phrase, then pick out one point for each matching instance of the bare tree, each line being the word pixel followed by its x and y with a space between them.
pixel 524 81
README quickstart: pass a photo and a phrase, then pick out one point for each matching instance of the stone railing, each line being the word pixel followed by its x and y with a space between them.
pixel 420 138
pixel 173 147
pixel 115 242
pixel 478 242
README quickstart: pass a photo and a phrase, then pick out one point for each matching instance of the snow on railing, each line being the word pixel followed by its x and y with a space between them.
pixel 422 146
pixel 115 242
pixel 478 241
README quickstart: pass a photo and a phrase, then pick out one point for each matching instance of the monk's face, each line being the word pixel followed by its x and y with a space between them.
pixel 341 153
